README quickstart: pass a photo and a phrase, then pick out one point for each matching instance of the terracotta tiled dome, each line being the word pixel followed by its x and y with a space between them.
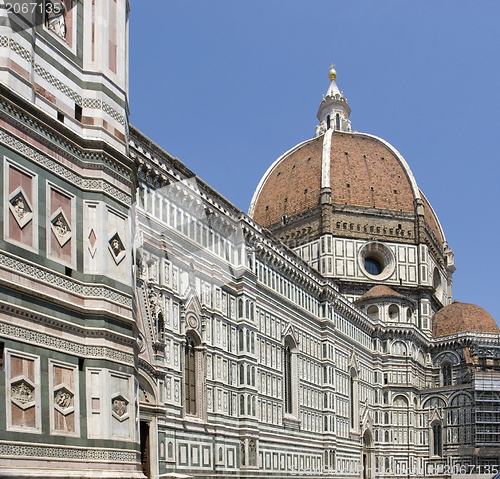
pixel 379 290
pixel 363 172
pixel 458 317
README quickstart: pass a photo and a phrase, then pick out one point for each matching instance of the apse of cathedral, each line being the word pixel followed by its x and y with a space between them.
pixel 149 328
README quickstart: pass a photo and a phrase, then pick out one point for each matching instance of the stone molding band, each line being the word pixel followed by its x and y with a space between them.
pixel 78 99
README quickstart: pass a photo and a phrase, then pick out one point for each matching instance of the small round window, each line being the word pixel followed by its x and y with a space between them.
pixel 376 260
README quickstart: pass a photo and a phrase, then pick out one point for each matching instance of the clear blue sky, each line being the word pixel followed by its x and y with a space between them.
pixel 227 86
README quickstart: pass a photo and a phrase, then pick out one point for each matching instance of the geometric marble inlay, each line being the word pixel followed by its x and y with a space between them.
pixel 92 238
pixel 92 241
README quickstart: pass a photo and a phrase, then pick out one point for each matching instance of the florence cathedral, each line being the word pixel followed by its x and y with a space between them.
pixel 150 329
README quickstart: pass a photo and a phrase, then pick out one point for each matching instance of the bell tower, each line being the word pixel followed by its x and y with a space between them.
pixel 69 58
pixel 66 242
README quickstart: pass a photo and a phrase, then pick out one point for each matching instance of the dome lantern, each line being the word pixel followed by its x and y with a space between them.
pixel 333 111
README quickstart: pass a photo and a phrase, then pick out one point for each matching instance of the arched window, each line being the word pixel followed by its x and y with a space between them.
pixel 447 374
pixel 373 312
pixel 290 376
pixel 252 453
pixel 394 312
pixel 190 380
pixel 399 348
pixel 288 379
pixel 354 402
pixel 459 420
pixel 337 121
pixel 170 450
pixel 242 374
pixel 433 402
pixel 437 284
pixel 328 122
pixel 240 340
pixel 242 453
pixel 437 439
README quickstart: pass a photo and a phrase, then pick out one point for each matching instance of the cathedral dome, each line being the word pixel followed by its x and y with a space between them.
pixel 364 171
pixel 344 168
pixel 459 317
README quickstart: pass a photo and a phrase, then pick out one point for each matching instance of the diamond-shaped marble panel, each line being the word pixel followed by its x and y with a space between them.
pixel 60 226
pixel 116 247
pixel 92 238
pixel 20 207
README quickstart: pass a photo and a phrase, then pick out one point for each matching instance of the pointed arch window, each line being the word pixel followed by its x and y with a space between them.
pixel 328 122
pixel 337 121
pixel 437 439
pixel 190 379
pixel 288 379
pixel 353 399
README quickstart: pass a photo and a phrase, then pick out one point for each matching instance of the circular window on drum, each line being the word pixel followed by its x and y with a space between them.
pixel 376 261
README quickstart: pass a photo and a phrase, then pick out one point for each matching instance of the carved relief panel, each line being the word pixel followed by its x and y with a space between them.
pixel 22 377
pixel 60 19
pixel 64 398
pixel 61 223
pixel 20 206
